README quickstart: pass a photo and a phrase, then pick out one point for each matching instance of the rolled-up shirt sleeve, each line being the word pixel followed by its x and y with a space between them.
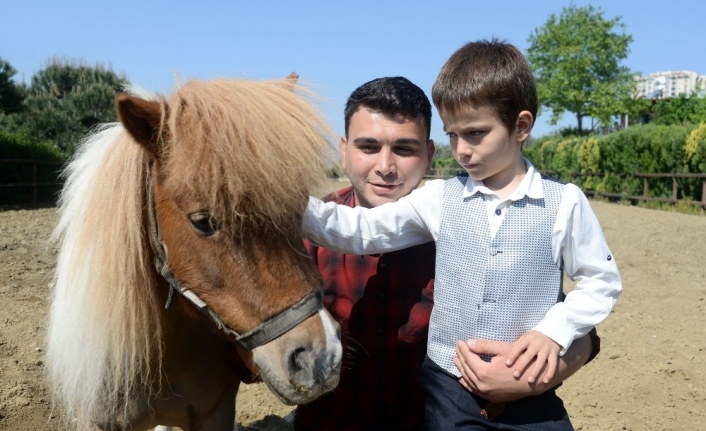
pixel 412 220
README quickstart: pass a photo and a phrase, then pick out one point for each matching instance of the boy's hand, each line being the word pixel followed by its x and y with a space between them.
pixel 530 345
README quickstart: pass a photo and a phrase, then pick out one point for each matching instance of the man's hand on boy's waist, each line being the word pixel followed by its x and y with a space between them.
pixel 494 380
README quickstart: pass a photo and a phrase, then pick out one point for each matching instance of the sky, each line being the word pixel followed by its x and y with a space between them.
pixel 334 46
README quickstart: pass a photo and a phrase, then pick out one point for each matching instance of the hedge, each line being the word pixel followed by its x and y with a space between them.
pixel 20 146
pixel 638 149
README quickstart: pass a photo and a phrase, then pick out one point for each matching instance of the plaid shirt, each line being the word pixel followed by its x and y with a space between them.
pixel 383 303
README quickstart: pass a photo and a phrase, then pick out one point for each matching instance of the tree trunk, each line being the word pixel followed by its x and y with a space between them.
pixel 579 118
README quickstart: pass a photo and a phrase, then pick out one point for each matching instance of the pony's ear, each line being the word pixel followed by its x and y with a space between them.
pixel 142 119
pixel 291 80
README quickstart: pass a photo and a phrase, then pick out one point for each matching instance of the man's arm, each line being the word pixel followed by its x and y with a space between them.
pixel 494 380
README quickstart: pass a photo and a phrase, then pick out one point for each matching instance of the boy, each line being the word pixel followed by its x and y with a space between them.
pixel 504 234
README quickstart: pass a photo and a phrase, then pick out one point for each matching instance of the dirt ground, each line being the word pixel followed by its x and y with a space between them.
pixel 650 375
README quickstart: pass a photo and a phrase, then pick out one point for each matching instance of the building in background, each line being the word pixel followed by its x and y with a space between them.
pixel 663 85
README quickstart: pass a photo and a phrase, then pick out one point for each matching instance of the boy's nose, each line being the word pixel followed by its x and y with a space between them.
pixel 463 148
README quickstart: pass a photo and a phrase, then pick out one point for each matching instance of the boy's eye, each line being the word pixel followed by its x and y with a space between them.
pixel 451 134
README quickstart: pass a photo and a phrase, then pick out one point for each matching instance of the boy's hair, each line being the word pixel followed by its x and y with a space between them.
pixel 390 96
pixel 487 73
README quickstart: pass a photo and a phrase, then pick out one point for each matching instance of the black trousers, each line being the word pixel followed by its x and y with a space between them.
pixel 451 407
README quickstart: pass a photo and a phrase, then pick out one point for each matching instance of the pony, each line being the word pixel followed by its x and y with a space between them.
pixel 180 263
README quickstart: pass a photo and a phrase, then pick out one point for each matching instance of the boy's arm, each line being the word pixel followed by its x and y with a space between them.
pixel 495 382
pixel 412 220
pixel 580 244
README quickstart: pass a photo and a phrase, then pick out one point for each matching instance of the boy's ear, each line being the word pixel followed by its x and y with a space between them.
pixel 524 124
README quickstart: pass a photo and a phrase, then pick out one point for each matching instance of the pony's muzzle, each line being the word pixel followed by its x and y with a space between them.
pixel 305 362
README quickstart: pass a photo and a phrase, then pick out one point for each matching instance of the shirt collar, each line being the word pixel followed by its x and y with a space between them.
pixel 531 186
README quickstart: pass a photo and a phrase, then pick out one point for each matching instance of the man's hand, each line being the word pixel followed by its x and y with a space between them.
pixel 494 381
pixel 534 345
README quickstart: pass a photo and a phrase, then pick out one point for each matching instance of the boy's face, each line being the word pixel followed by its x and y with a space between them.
pixel 481 143
pixel 385 158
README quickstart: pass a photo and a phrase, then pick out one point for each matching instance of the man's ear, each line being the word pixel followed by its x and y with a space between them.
pixel 342 145
pixel 430 153
pixel 523 126
pixel 142 119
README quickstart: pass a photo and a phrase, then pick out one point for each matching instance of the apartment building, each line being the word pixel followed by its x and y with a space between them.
pixel 663 85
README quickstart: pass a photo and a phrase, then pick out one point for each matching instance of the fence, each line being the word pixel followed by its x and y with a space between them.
pixel 624 194
pixel 30 181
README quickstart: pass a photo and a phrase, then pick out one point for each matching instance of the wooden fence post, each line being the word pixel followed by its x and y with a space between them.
pixel 34 180
pixel 645 187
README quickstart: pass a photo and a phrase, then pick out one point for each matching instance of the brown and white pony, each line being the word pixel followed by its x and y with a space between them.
pixel 210 183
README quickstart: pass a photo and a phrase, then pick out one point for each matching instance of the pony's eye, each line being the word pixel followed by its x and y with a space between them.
pixel 203 223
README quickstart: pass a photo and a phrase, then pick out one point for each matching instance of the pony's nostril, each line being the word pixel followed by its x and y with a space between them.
pixel 297 361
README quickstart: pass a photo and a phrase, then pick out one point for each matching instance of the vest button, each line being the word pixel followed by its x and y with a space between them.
pixel 493 252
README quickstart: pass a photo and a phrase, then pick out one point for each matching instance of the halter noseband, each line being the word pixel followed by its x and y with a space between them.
pixel 262 334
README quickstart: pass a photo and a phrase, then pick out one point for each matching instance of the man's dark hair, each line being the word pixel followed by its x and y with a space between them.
pixel 487 73
pixel 390 96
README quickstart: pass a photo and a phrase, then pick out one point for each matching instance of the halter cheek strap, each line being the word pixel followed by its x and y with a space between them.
pixel 262 334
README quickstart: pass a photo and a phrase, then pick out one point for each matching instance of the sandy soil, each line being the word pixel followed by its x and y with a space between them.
pixel 650 375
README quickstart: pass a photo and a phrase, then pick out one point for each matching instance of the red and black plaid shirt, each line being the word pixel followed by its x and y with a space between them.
pixel 383 303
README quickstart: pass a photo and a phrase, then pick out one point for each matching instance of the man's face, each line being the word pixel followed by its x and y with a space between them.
pixel 385 158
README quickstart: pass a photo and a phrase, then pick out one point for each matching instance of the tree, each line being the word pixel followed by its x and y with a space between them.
pixel 576 61
pixel 67 98
pixel 11 94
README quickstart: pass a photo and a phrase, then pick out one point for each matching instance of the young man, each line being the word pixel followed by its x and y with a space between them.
pixel 383 301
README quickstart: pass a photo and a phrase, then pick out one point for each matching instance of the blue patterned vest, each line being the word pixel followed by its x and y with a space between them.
pixel 497 288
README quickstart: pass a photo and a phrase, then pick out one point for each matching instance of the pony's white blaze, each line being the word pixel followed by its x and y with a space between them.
pixel 334 349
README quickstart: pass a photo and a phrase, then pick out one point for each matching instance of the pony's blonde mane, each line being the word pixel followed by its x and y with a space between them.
pixel 252 151
pixel 104 332
pixel 264 144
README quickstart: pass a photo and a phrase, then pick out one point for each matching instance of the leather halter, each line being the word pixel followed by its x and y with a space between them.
pixel 262 334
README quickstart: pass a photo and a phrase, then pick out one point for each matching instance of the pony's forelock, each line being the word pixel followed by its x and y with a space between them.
pixel 251 139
